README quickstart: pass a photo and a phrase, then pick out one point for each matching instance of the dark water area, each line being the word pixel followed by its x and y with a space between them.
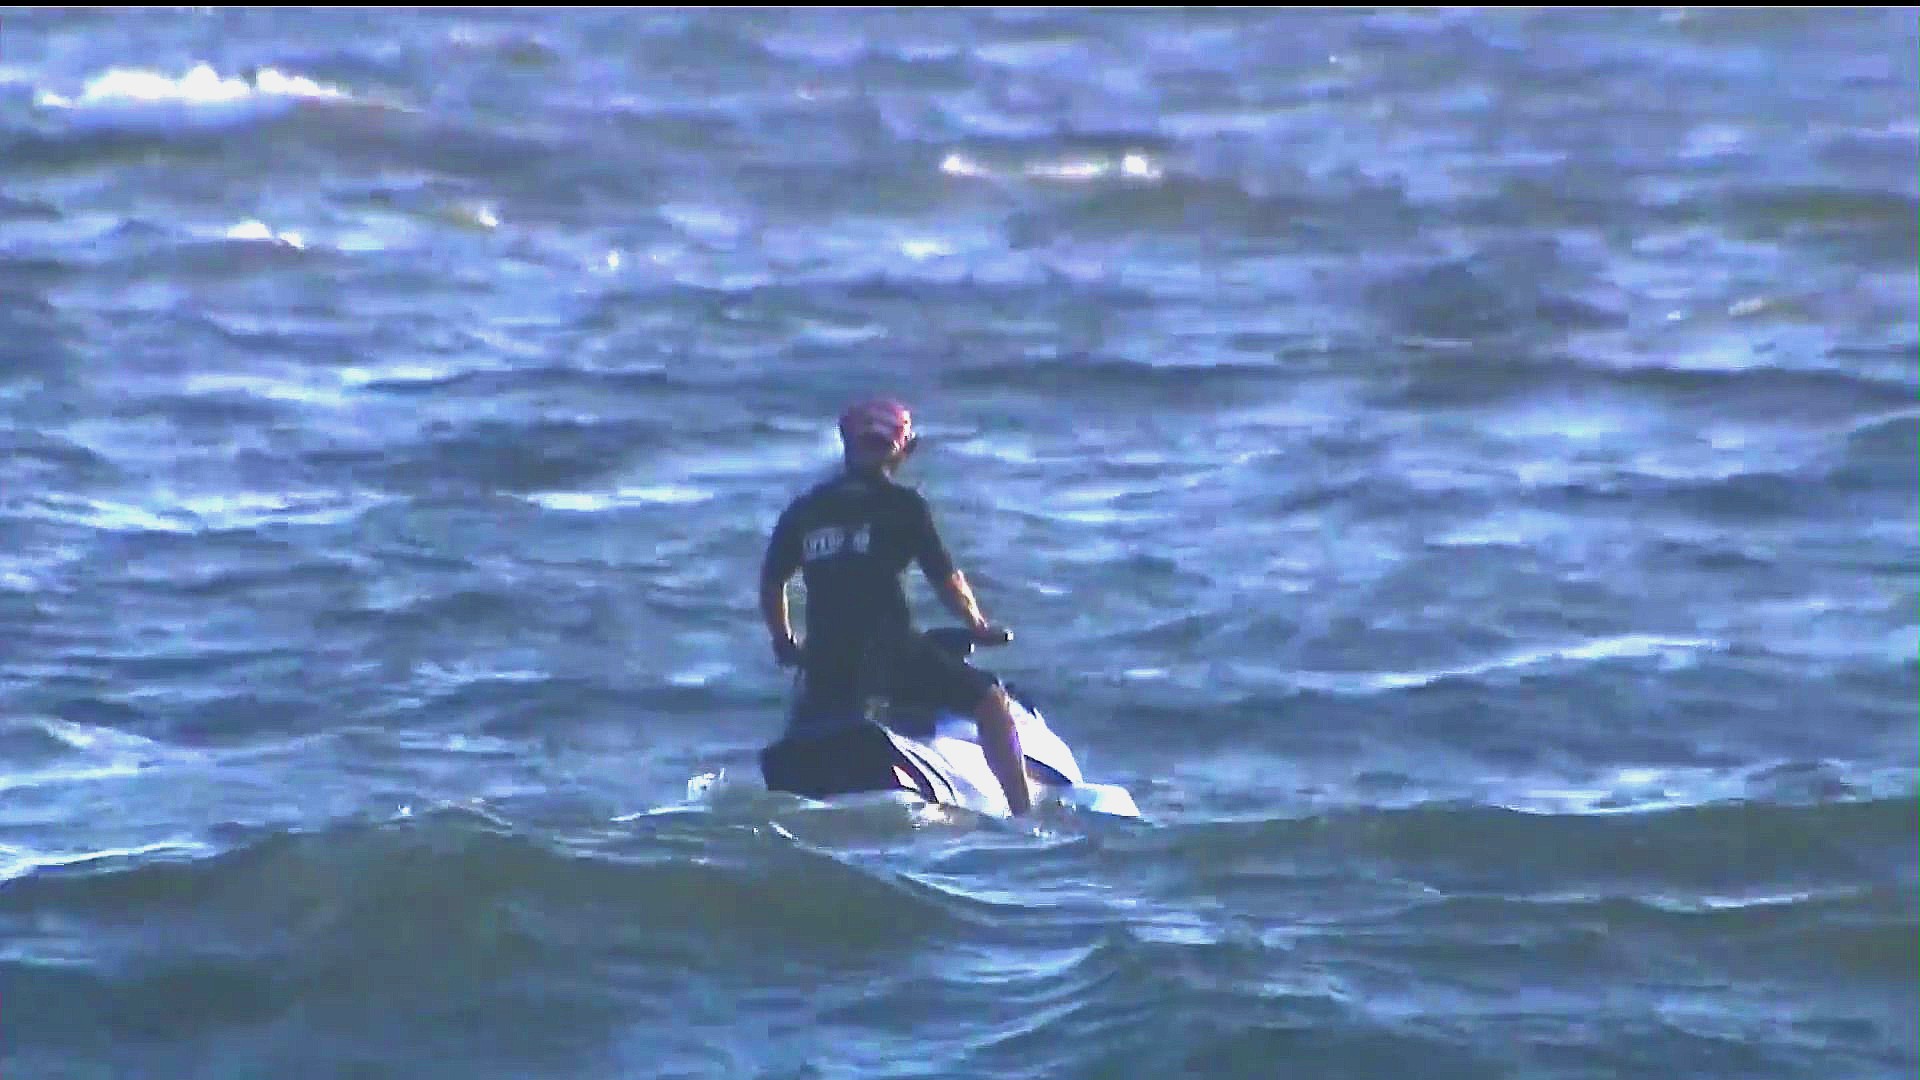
pixel 1457 469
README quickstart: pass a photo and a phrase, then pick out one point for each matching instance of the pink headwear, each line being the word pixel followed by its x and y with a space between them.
pixel 877 421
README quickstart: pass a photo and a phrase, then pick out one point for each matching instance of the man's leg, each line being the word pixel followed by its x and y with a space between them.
pixel 1000 740
pixel 920 670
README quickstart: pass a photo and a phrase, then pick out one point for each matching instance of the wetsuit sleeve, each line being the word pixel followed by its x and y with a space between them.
pixel 928 549
pixel 783 549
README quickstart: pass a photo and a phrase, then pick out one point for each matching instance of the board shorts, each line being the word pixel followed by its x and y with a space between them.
pixel 912 676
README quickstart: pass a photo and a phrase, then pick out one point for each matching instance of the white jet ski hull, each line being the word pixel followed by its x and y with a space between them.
pixel 952 759
pixel 945 766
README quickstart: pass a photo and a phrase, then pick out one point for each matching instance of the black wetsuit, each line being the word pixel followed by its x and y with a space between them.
pixel 851 537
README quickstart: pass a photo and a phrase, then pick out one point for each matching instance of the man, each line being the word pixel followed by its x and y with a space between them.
pixel 851 537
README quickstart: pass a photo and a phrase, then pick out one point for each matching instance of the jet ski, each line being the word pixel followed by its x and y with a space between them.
pixel 935 754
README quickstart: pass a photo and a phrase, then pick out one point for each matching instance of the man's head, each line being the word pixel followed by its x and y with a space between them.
pixel 877 435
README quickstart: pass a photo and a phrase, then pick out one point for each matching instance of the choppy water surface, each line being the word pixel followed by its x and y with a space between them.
pixel 1458 469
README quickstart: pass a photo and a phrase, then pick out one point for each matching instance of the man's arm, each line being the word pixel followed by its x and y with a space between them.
pixel 773 607
pixel 947 580
pixel 957 595
pixel 776 569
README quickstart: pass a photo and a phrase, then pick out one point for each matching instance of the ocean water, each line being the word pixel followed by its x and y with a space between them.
pixel 1457 469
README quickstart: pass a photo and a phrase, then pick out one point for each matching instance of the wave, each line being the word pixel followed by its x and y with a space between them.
pixel 525 457
pixel 124 114
pixel 1870 225
pixel 1142 948
pixel 140 100
pixel 51 461
pixel 240 510
pixel 1217 384
pixel 1723 848
pixel 451 887
pixel 270 124
pixel 1617 647
pixel 1880 456
pixel 450 911
pixel 1501 291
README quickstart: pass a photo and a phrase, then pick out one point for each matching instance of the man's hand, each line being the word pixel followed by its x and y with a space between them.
pixel 773 607
pixel 985 633
pixel 786 651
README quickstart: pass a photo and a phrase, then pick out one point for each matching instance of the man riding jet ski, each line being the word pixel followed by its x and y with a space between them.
pixel 916 745
pixel 951 733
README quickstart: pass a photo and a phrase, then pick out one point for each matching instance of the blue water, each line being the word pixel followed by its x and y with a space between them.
pixel 1457 469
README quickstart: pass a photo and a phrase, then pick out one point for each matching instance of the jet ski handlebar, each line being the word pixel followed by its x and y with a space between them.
pixel 961 641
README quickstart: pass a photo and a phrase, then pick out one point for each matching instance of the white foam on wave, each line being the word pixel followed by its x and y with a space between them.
pixel 202 97
pixel 19 862
pixel 702 222
pixel 106 515
pixel 1712 140
pixel 958 164
pixel 1644 789
pixel 1671 651
pixel 1629 790
pixel 1714 464
pixel 200 84
pixel 261 386
pixel 1623 645
pixel 571 501
pixel 1104 515
pixel 46 777
pixel 1587 424
pixel 1133 165
pixel 581 502
pixel 399 373
pixel 1069 170
pixel 194 513
pixel 457 743
pixel 90 737
pixel 1694 905
pixel 1010 448
pixel 921 250
pixel 259 231
pixel 420 373
pixel 100 753
pixel 249 509
pixel 1508 528
pixel 1618 647
pixel 699 674
pixel 38 568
